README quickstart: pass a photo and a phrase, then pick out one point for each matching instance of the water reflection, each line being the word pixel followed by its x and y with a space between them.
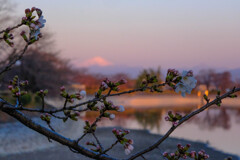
pixel 209 126
pixel 214 118
pixel 149 119
pixel 153 117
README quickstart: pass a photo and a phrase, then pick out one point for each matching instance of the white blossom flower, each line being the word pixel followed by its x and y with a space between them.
pixel 128 148
pixel 41 22
pixel 186 84
pixel 127 151
pixel 180 87
pixel 83 93
pixel 35 34
pixel 33 26
pixel 112 116
pixel 189 81
pixel 104 85
pixel 120 108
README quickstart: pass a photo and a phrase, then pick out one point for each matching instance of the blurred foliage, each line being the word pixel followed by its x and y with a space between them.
pixel 149 119
pixel 151 72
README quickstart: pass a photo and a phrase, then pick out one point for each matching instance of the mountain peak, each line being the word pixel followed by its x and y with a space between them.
pixel 95 61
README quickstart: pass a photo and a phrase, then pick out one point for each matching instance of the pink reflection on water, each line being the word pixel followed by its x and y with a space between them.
pixel 219 127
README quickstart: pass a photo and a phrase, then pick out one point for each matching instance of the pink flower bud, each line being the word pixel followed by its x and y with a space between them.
pixel 117 89
pixel 170 70
pixel 114 130
pixel 10 87
pixel 167 118
pixel 175 123
pixel 42 116
pixel 48 115
pixel 193 154
pixel 127 131
pixel 106 80
pixel 62 88
pixel 11 36
pixel 200 153
pixel 169 112
pixel 24 18
pixel 103 86
pixel 22 33
pixel 123 81
pixel 39 12
pixel 130 141
pixel 33 9
pixel 110 103
pixel 165 154
pixel 27 10
pixel 179 145
pixel 172 154
pixel 206 156
pixel 26 82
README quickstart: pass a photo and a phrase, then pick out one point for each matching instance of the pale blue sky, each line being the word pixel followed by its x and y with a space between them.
pixel 170 33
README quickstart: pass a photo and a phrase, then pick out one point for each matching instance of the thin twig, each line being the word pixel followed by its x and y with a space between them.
pixel 90 128
pixel 49 125
pixel 51 134
pixel 89 101
pixel 11 28
pixel 79 139
pixel 143 157
pixel 116 142
pixel 58 117
pixel 8 67
pixel 98 142
pixel 43 103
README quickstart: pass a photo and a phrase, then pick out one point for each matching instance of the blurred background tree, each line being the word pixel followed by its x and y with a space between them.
pixel 151 72
pixel 215 81
pixel 41 64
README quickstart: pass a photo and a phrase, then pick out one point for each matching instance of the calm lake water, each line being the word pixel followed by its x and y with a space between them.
pixel 217 126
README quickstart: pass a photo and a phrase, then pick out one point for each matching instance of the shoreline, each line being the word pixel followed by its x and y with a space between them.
pixel 59 152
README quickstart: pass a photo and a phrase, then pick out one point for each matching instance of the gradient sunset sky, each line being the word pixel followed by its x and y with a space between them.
pixel 148 33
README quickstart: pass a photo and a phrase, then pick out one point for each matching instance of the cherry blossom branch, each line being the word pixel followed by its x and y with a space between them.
pixel 11 28
pixel 98 142
pixel 141 89
pixel 184 119
pixel 183 83
pixel 91 127
pixel 51 134
pixel 108 149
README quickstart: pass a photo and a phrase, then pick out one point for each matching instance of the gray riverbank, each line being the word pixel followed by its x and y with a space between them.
pixel 20 143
